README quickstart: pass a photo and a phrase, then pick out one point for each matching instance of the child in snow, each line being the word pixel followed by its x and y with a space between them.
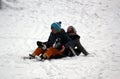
pixel 71 31
pixel 58 41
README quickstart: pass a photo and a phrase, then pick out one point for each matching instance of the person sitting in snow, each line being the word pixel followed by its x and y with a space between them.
pixel 72 33
pixel 57 43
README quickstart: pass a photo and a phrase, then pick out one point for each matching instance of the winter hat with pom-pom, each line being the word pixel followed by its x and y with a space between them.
pixel 56 25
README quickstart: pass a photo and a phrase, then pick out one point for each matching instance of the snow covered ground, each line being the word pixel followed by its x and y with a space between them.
pixel 24 22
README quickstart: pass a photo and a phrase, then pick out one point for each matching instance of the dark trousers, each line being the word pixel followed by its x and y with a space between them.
pixel 80 48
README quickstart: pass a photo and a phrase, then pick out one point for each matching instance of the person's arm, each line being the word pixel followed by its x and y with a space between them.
pixel 46 44
pixel 63 49
pixel 50 41
pixel 69 41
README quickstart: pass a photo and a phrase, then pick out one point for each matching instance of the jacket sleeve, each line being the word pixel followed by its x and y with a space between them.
pixel 50 41
pixel 68 41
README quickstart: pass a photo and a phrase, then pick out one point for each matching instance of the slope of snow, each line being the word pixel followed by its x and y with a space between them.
pixel 24 22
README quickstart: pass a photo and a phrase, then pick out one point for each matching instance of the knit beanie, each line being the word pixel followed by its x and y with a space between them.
pixel 56 25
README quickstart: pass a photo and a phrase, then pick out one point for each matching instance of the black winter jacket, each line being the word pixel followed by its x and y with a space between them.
pixel 74 37
pixel 65 39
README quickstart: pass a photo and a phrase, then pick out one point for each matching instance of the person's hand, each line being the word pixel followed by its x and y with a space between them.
pixel 41 45
pixel 63 48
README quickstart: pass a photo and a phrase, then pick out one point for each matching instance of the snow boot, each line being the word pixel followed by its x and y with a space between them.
pixel 31 56
pixel 41 57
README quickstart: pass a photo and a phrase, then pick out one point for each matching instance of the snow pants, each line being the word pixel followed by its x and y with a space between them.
pixel 80 48
pixel 50 52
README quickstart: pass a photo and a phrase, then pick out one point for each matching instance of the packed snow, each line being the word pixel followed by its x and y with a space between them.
pixel 23 22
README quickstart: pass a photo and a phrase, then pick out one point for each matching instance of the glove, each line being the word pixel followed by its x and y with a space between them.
pixel 41 45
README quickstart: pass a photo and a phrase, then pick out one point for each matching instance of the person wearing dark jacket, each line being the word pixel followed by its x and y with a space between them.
pixel 78 48
pixel 57 43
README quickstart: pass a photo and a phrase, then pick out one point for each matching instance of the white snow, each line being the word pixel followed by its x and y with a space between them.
pixel 24 22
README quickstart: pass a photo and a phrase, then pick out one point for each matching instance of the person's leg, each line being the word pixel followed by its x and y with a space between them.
pixel 37 52
pixel 80 47
pixel 77 51
pixel 51 52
